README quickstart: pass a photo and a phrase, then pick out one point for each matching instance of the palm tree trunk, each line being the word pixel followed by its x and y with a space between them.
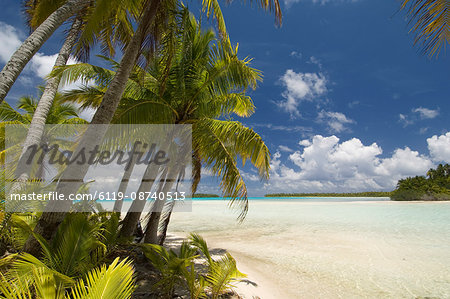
pixel 133 216
pixel 124 184
pixel 38 121
pixel 131 220
pixel 49 221
pixel 151 231
pixel 33 43
pixel 165 224
pixel 123 188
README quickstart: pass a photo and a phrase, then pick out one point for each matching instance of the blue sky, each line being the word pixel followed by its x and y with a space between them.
pixel 347 102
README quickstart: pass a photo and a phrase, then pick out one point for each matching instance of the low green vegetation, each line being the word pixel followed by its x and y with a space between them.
pixel 211 279
pixel 356 194
pixel 85 260
pixel 434 186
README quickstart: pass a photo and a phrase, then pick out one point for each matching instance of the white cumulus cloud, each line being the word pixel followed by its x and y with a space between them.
pixel 301 87
pixel 9 41
pixel 404 162
pixel 439 147
pixel 42 64
pixel 328 164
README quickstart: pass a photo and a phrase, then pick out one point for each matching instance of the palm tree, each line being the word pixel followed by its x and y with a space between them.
pixel 49 15
pixel 23 113
pixel 50 220
pixel 154 14
pixel 37 11
pixel 33 43
pixel 219 274
pixel 206 80
pixel 430 20
pixel 59 113
pixel 39 119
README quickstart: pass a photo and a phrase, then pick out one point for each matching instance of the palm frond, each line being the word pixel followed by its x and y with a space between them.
pixel 86 96
pixel 219 143
pixel 7 113
pixel 70 252
pixel 15 288
pixel 222 275
pixel 28 104
pixel 172 267
pixel 144 111
pixel 37 12
pixel 73 244
pixel 200 243
pixel 115 281
pixel 25 265
pixel 430 20
pixel 83 72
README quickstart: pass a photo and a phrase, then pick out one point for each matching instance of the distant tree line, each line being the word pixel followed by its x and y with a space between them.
pixel 434 186
pixel 201 195
pixel 354 194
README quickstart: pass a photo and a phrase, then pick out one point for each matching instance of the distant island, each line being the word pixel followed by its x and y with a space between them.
pixel 354 194
pixel 434 186
pixel 202 195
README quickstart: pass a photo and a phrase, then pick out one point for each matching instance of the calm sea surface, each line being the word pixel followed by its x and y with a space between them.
pixel 334 247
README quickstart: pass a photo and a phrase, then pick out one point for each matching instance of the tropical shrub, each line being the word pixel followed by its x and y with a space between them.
pixel 76 247
pixel 171 266
pixel 219 277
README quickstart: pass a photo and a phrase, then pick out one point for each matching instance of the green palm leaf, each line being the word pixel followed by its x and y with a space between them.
pixel 219 143
pixel 222 275
pixel 75 241
pixel 115 281
pixel 430 21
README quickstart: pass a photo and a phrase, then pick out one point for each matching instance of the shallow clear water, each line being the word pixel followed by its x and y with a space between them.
pixel 334 247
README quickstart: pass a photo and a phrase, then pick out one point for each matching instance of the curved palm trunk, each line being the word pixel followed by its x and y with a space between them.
pixel 196 176
pixel 123 188
pixel 33 43
pixel 133 216
pixel 151 231
pixel 131 220
pixel 165 224
pixel 38 121
pixel 49 221
pixel 124 184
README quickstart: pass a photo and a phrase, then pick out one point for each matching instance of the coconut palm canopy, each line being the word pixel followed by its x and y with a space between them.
pixel 193 79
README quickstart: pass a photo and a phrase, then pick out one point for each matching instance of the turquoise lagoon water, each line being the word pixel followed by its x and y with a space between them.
pixel 334 247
